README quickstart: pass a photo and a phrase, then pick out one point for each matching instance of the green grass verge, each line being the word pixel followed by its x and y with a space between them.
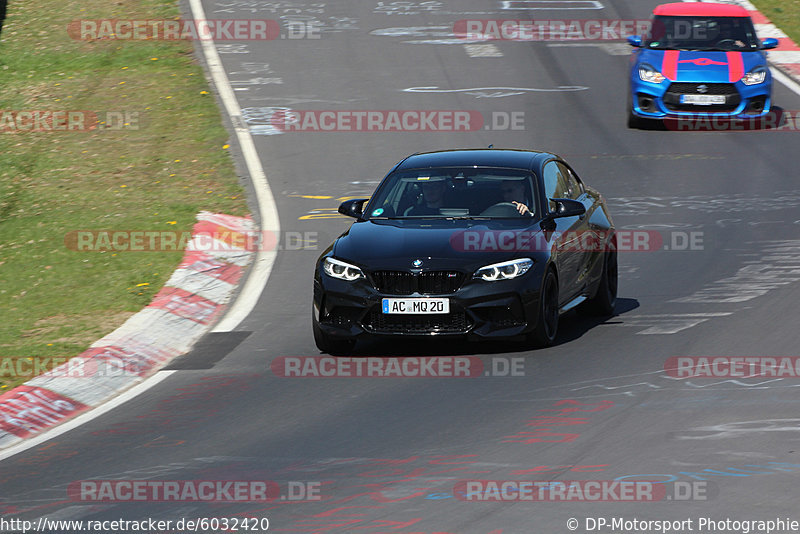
pixel 157 175
pixel 785 14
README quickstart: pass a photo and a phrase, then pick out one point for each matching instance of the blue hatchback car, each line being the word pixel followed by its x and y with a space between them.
pixel 699 58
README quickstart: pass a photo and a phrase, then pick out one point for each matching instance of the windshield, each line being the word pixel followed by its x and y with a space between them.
pixel 702 33
pixel 454 193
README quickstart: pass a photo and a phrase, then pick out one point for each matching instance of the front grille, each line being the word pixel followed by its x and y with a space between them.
pixel 682 88
pixel 342 316
pixel 501 316
pixel 425 283
pixel 672 98
pixel 455 322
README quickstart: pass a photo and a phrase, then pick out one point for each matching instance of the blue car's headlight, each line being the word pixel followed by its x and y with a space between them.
pixel 648 73
pixel 341 270
pixel 755 76
pixel 505 270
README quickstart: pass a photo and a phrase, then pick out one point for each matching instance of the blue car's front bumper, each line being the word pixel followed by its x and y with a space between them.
pixel 662 100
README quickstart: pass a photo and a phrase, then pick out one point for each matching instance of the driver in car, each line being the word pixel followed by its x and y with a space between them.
pixel 729 37
pixel 515 192
pixel 432 198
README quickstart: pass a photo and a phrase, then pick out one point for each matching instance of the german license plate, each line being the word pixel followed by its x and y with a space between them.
pixel 702 100
pixel 416 306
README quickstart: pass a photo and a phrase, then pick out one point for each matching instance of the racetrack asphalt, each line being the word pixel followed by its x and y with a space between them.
pixel 386 453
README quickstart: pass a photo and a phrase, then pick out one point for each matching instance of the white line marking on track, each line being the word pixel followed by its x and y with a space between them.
pixel 785 80
pixel 482 50
pixel 736 429
pixel 517 5
pixel 778 265
pixel 268 210
pixel 494 92
pixel 670 323
pixel 259 272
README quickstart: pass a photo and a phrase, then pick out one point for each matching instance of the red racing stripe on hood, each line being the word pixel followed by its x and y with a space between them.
pixel 669 67
pixel 735 66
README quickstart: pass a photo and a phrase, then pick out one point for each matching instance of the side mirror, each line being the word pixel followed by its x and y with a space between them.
pixel 353 208
pixel 769 43
pixel 566 207
pixel 635 41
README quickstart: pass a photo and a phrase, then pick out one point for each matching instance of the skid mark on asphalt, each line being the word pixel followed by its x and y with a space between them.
pixel 55 494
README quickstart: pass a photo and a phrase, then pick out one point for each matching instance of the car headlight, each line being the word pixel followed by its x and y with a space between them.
pixel 649 74
pixel 341 270
pixel 755 76
pixel 505 270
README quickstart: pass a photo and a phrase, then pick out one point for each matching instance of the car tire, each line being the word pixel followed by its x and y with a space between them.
pixel 544 334
pixel 330 345
pixel 634 121
pixel 605 300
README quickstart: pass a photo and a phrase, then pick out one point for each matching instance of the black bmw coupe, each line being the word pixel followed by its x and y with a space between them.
pixel 484 243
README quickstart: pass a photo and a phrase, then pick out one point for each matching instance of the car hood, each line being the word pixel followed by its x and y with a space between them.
pixel 696 66
pixel 439 244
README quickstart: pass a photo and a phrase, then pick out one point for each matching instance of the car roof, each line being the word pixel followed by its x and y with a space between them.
pixel 700 9
pixel 479 157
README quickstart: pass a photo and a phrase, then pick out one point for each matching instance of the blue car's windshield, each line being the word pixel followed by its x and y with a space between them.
pixel 451 192
pixel 702 33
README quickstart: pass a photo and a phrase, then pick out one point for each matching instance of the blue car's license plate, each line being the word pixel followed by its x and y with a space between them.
pixel 703 100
